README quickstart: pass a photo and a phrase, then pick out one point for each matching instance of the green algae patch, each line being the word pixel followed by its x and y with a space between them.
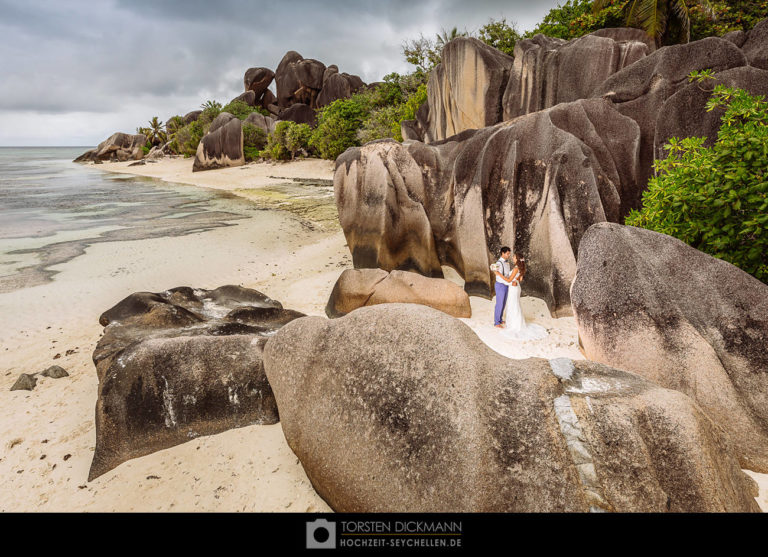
pixel 312 202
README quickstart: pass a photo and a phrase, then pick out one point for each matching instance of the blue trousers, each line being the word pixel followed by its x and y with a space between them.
pixel 501 301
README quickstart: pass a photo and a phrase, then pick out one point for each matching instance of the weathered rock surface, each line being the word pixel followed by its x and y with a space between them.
pixel 221 147
pixel 249 98
pixel 300 80
pixel 260 121
pixel 650 304
pixel 755 45
pixel 640 90
pixel 299 113
pixel 535 184
pixel 190 117
pixel 220 120
pixel 684 114
pixel 118 146
pixel 54 372
pixel 465 90
pixel 25 382
pixel 402 408
pixel 179 364
pixel 356 288
pixel 548 71
pixel 258 80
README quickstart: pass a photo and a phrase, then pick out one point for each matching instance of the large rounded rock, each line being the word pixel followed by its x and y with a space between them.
pixel 118 146
pixel 257 80
pixel 249 98
pixel 335 87
pixel 641 89
pixel 300 113
pixel 685 113
pixel 179 364
pixel 260 121
pixel 465 90
pixel 222 147
pixel 535 184
pixel 221 119
pixel 286 80
pixel 755 46
pixel 650 304
pixel 190 117
pixel 548 71
pixel 403 408
pixel 356 288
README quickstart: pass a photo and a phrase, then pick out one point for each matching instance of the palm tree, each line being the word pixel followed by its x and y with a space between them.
pixel 445 37
pixel 156 133
pixel 215 105
pixel 658 18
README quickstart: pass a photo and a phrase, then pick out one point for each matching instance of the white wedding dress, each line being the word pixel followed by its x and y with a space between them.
pixel 516 327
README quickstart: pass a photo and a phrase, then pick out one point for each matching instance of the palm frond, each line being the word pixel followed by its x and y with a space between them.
pixel 652 17
pixel 684 17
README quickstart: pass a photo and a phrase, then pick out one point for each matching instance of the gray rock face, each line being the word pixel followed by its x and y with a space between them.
pixel 179 364
pixel 260 121
pixel 535 184
pixel 549 71
pixel 685 115
pixel 258 80
pixel 309 82
pixel 299 113
pixel 190 117
pixel 384 418
pixel 220 120
pixel 54 372
pixel 357 288
pixel 118 146
pixel 640 90
pixel 25 382
pixel 755 46
pixel 249 98
pixel 465 90
pixel 650 304
pixel 222 147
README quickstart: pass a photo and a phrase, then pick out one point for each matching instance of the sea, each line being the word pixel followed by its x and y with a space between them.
pixel 52 209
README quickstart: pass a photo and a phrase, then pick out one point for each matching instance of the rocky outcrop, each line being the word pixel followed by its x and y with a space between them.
pixel 684 114
pixel 299 113
pixel 755 45
pixel 548 71
pixel 190 117
pixel 179 364
pixel 221 147
pixel 309 82
pixel 249 98
pixel 400 408
pixel 260 121
pixel 465 90
pixel 356 288
pixel 220 120
pixel 117 147
pixel 535 183
pixel 258 81
pixel 650 304
pixel 640 90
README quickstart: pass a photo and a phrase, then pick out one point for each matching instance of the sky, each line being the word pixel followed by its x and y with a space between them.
pixel 74 72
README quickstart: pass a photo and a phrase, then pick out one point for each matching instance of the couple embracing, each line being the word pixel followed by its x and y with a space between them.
pixel 509 275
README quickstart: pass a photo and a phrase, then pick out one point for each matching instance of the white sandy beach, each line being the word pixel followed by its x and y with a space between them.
pixel 47 435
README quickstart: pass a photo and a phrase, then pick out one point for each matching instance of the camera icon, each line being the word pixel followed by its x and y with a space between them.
pixel 321 534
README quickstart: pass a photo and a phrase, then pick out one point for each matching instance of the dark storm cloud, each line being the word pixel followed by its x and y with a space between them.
pixel 126 60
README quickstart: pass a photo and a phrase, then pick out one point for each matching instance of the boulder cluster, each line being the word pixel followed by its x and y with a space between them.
pixel 302 85
pixel 530 151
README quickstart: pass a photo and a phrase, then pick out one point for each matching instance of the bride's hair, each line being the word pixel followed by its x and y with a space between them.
pixel 520 262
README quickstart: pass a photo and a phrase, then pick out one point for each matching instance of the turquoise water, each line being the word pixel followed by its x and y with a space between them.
pixel 51 209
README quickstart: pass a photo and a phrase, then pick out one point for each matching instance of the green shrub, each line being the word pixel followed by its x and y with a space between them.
pixel 716 198
pixel 338 124
pixel 500 35
pixel 186 139
pixel 242 109
pixel 254 140
pixel 288 139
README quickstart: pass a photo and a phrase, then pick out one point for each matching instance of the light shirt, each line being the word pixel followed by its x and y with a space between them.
pixel 505 268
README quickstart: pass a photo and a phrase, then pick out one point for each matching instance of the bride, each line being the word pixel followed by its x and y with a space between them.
pixel 516 327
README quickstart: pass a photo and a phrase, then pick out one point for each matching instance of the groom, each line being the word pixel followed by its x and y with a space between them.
pixel 503 278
